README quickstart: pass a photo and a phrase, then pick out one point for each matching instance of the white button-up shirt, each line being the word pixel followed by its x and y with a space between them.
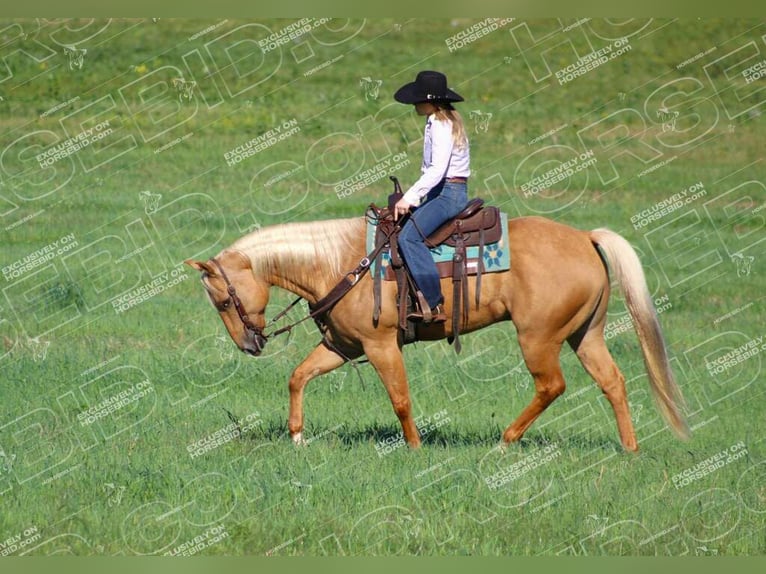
pixel 441 158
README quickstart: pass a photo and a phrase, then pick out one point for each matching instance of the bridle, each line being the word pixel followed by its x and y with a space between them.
pixel 317 310
pixel 259 337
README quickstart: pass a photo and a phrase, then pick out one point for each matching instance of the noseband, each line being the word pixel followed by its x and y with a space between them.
pixel 260 337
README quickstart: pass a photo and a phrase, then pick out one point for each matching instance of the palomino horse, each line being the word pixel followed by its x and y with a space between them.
pixel 557 290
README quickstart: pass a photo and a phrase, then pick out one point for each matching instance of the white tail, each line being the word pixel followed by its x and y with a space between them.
pixel 629 274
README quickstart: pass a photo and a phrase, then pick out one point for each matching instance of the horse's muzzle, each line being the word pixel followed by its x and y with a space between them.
pixel 254 345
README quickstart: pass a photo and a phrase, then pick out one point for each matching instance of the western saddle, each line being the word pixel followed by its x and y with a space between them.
pixel 477 225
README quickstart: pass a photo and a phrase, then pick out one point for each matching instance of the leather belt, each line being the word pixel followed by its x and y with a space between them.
pixel 456 180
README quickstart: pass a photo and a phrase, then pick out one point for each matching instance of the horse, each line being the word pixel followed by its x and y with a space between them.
pixel 556 290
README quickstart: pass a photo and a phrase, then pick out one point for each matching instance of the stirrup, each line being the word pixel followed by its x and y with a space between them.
pixel 425 314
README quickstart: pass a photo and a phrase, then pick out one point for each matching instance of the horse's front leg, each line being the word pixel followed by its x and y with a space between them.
pixel 320 361
pixel 386 357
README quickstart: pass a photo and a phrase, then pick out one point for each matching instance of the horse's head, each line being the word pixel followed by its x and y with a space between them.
pixel 238 297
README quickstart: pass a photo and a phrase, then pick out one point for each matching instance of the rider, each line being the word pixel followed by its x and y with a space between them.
pixel 443 184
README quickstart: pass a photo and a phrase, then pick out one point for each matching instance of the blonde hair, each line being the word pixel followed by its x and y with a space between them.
pixel 446 111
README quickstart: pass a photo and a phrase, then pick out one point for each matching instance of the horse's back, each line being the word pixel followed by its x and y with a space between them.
pixel 546 242
pixel 540 234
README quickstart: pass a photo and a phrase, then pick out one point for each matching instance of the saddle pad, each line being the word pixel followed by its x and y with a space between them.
pixel 497 256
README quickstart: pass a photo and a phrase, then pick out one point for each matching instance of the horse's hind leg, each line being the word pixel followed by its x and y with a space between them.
pixel 595 357
pixel 320 361
pixel 542 360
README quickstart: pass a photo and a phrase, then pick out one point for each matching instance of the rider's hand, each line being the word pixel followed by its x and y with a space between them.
pixel 402 207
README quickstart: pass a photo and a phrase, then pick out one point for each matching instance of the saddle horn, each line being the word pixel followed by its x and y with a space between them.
pixel 397 195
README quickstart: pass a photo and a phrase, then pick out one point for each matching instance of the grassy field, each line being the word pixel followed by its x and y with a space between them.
pixel 110 392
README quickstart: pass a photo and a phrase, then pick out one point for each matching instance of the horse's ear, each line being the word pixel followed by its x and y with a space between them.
pixel 203 266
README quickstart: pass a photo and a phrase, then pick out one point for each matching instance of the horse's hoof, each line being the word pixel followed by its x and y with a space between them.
pixel 298 439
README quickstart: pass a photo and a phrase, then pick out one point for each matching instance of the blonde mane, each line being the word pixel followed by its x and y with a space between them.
pixel 297 248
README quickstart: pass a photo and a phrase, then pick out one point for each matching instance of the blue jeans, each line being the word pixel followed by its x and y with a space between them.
pixel 442 203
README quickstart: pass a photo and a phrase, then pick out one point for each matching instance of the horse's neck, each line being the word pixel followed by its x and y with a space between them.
pixel 305 258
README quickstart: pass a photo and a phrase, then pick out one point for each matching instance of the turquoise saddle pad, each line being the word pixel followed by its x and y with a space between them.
pixel 497 256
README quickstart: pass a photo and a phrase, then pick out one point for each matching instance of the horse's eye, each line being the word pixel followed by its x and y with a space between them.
pixel 225 305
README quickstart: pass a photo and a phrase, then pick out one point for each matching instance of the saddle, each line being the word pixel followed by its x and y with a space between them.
pixel 477 225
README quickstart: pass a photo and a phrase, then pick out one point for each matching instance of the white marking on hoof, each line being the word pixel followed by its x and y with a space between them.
pixel 298 439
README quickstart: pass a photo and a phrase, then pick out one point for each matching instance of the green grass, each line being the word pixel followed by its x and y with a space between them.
pixel 128 484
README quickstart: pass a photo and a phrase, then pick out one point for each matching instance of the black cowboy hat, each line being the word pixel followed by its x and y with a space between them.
pixel 428 87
